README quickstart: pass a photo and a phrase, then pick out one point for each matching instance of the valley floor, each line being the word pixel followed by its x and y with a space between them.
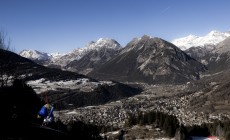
pixel 191 103
pixel 170 99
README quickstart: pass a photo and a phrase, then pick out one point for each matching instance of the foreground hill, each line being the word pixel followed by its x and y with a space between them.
pixel 15 65
pixel 150 60
pixel 19 118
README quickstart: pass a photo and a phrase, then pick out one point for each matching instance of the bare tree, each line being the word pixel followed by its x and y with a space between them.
pixel 4 43
pixel 7 66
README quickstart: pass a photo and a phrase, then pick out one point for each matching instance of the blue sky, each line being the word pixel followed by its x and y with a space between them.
pixel 63 25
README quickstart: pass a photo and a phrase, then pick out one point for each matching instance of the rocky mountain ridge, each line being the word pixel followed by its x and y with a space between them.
pixel 150 60
pixel 62 60
pixel 216 59
pixel 144 59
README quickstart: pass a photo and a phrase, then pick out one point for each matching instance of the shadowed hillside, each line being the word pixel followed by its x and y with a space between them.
pixel 18 120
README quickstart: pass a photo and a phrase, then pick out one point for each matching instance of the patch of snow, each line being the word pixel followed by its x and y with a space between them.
pixel 114 132
pixel 56 55
pixel 72 112
pixel 81 84
pixel 102 42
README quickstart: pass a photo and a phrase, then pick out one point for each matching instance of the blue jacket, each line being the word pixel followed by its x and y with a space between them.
pixel 46 110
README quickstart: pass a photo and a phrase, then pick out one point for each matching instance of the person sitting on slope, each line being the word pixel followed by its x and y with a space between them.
pixel 46 113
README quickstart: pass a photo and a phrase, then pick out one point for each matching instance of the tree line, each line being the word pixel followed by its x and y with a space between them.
pixel 168 123
pixel 173 128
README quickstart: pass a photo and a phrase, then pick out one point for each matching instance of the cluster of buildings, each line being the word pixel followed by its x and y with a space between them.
pixel 116 113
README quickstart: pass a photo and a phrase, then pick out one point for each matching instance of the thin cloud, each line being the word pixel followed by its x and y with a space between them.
pixel 165 10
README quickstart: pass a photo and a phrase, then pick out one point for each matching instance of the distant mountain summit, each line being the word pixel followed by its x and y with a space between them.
pixel 62 60
pixel 97 53
pixel 223 47
pixel 145 59
pixel 34 55
pixel 103 43
pixel 41 57
pixel 150 60
pixel 216 59
pixel 220 58
pixel 209 40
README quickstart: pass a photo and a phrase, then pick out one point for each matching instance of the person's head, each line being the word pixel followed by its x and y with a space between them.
pixel 48 106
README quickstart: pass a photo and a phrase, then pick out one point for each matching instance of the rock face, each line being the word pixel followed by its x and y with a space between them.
pixel 98 53
pixel 201 54
pixel 220 59
pixel 216 59
pixel 223 46
pixel 150 60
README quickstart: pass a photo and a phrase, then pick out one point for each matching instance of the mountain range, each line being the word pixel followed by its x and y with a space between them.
pixel 195 79
pixel 150 60
pixel 142 60
pixel 216 59
pixel 62 60
pixel 145 59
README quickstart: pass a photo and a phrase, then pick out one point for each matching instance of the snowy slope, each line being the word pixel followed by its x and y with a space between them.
pixel 34 55
pixel 80 52
pixel 83 84
pixel 212 38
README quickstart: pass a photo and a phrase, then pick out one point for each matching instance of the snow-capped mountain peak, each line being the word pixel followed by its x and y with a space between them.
pixel 192 36
pixel 214 32
pixel 212 38
pixel 34 55
pixel 62 60
pixel 56 55
pixel 103 42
